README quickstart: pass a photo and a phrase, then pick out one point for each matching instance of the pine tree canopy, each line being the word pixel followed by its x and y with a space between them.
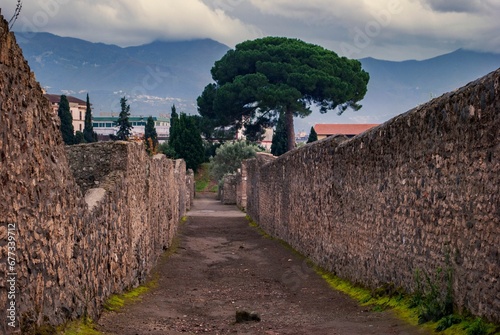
pixel 259 79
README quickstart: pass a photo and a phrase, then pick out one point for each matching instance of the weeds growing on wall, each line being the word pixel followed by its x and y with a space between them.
pixel 434 296
pixel 433 300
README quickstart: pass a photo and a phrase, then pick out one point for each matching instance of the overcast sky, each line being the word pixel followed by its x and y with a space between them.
pixel 384 29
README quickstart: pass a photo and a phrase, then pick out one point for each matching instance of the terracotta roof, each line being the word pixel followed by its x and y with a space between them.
pixel 341 129
pixel 54 98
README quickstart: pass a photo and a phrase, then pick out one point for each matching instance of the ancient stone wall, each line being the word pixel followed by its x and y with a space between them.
pixel 241 187
pixel 253 168
pixel 228 194
pixel 180 178
pixel 83 224
pixel 190 189
pixel 146 198
pixel 418 192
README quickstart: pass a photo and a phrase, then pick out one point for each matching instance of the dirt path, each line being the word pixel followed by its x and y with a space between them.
pixel 223 265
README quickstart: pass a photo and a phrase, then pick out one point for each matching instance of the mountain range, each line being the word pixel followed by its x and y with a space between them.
pixel 155 76
pixel 152 76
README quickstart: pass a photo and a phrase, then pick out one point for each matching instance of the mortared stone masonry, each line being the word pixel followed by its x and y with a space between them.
pixel 90 220
pixel 420 192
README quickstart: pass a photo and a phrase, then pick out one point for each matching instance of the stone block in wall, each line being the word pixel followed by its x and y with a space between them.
pixel 190 189
pixel 180 171
pixel 241 187
pixel 229 189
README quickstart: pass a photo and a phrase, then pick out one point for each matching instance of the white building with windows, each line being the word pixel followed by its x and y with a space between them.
pixel 106 125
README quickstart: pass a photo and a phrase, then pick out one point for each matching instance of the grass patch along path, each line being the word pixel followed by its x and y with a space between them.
pixel 203 180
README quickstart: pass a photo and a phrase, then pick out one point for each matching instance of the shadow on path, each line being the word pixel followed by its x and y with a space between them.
pixel 221 266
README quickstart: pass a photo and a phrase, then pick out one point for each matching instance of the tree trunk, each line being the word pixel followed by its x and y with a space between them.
pixel 289 128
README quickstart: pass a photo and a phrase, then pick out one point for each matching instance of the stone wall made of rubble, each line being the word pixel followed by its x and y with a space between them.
pixel 228 194
pixel 88 222
pixel 190 189
pixel 420 192
pixel 241 187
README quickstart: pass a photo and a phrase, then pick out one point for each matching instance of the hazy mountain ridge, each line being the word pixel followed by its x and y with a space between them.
pixel 396 87
pixel 165 72
pixel 158 74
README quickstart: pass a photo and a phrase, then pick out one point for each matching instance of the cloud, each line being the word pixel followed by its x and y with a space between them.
pixel 395 24
pixel 131 22
pixel 313 12
pixel 393 29
pixel 462 6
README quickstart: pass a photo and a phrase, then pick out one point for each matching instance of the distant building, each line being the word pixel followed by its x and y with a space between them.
pixel 106 125
pixel 350 130
pixel 301 137
pixel 77 108
pixel 267 140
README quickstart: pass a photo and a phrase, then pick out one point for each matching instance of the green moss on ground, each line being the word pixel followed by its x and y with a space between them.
pixel 399 302
pixel 117 301
pixel 79 327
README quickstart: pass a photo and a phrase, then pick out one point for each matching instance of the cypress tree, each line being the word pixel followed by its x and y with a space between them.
pixel 174 129
pixel 174 114
pixel 280 137
pixel 193 151
pixel 174 117
pixel 123 123
pixel 187 142
pixel 88 130
pixel 79 137
pixel 185 139
pixel 313 137
pixel 64 113
pixel 150 136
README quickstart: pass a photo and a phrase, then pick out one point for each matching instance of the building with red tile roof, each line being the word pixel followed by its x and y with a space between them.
pixel 324 130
